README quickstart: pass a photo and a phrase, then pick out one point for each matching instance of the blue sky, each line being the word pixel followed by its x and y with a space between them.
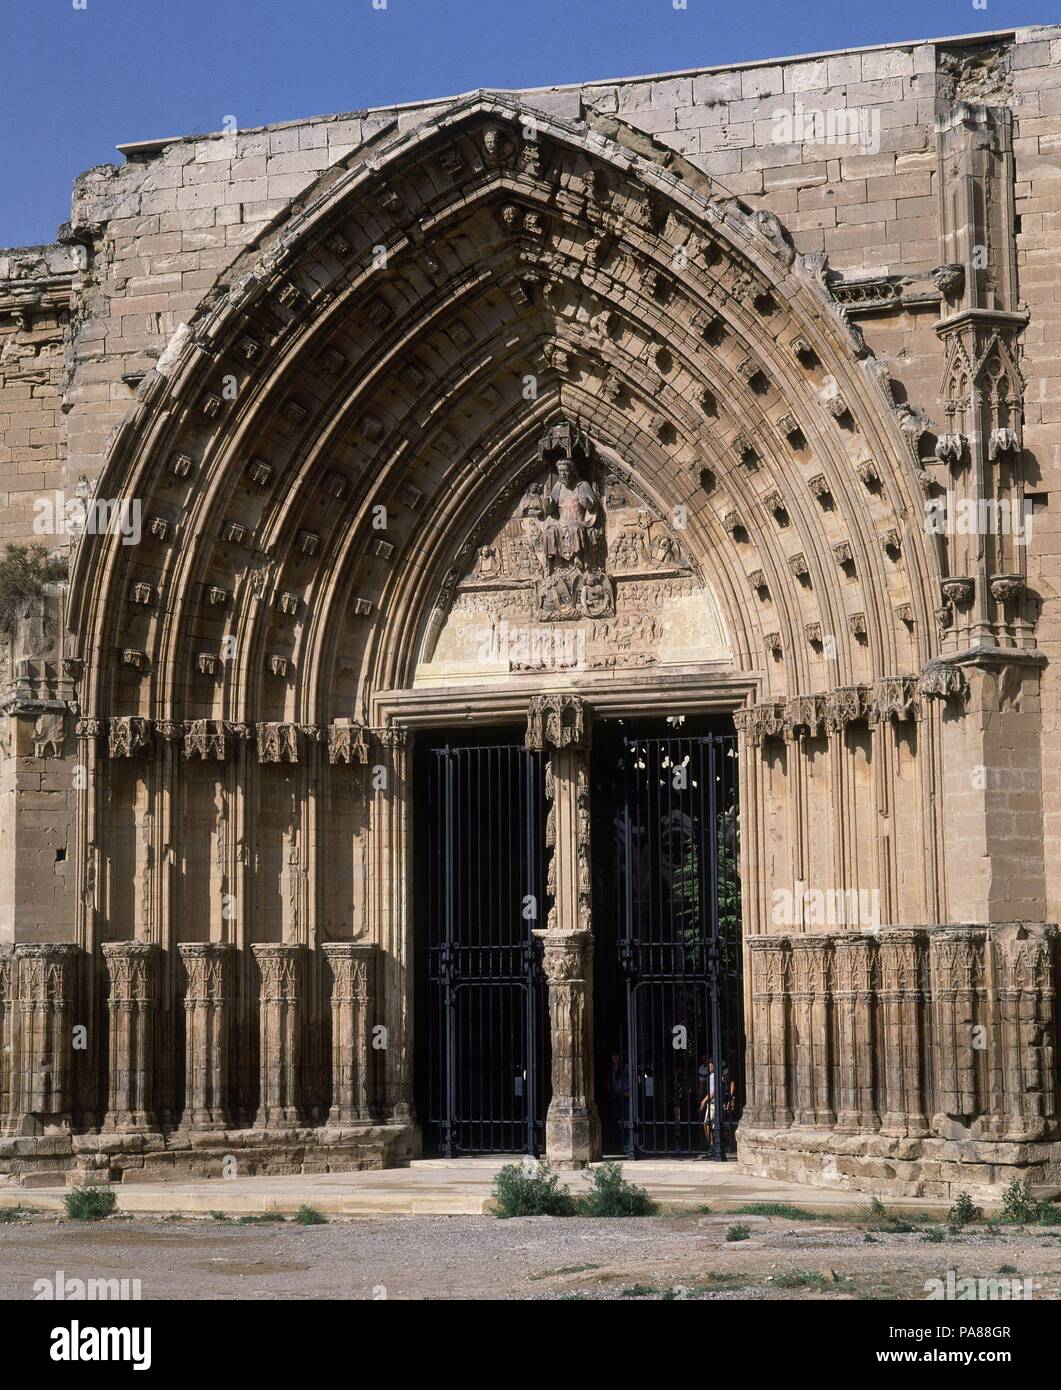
pixel 74 82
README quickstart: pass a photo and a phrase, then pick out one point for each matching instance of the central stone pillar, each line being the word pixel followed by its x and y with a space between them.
pixel 559 726
pixel 280 1055
pixel 133 970
pixel 207 1001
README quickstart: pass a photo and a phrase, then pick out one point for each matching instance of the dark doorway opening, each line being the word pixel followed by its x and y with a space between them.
pixel 482 1054
pixel 668 998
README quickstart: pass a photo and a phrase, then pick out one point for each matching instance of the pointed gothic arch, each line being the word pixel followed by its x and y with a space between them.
pixel 323 448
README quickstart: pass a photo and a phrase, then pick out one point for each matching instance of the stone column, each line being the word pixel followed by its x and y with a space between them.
pixel 132 967
pixel 810 1018
pixel 7 1036
pixel 1024 954
pixel 207 1022
pixel 559 726
pixel 572 1126
pixel 902 956
pixel 769 959
pixel 46 988
pixel 354 965
pixel 956 969
pixel 853 996
pixel 280 1052
pixel 389 874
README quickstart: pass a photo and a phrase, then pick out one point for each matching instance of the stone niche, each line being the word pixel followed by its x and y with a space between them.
pixel 578 573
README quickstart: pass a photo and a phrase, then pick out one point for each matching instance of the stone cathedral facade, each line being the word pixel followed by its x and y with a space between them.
pixel 727 396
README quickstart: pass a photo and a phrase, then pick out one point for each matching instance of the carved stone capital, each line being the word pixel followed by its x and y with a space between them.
pixel 942 680
pixel 278 742
pixel 129 736
pixel 206 739
pixel 558 722
pixel 894 697
pixel 347 742
pixel 844 706
pixel 758 723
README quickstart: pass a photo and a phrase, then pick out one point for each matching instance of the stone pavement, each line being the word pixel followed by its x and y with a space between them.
pixel 449 1187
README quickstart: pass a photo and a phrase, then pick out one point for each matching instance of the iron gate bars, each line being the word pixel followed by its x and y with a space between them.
pixel 679 947
pixel 487 1021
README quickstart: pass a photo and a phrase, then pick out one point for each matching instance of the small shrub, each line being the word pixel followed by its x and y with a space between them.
pixel 90 1203
pixel 638 1291
pixel 781 1209
pixel 24 572
pixel 963 1212
pixel 737 1232
pixel 1018 1204
pixel 1020 1208
pixel 612 1195
pixel 805 1279
pixel 932 1237
pixel 9 1214
pixel 265 1218
pixel 526 1192
pixel 219 1216
pixel 310 1216
pixel 887 1222
pixel 1007 1269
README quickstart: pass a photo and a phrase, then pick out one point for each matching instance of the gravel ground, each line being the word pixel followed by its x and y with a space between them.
pixel 480 1257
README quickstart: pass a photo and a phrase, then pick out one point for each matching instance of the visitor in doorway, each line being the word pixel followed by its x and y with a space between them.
pixel 708 1103
pixel 618 1091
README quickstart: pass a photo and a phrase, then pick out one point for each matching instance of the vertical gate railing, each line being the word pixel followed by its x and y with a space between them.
pixel 487 1023
pixel 679 949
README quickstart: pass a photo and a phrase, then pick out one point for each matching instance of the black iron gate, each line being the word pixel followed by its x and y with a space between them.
pixel 670 1056
pixel 486 994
